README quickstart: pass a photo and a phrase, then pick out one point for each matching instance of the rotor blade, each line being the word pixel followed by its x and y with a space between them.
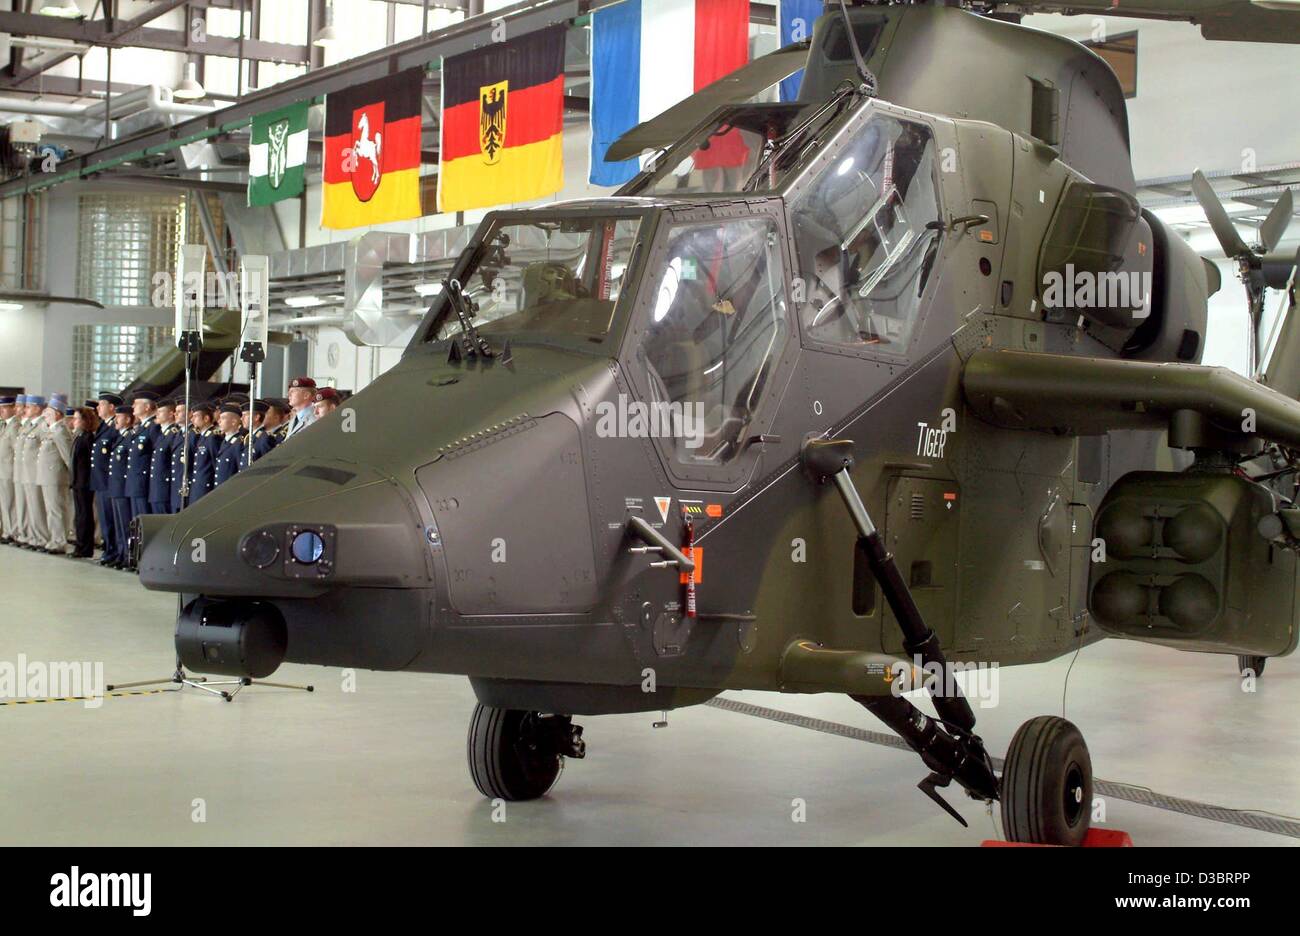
pixel 1275 225
pixel 1277 268
pixel 1223 227
pixel 1235 20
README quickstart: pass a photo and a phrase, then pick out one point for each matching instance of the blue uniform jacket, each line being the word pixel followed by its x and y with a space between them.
pixel 160 465
pixel 230 458
pixel 141 458
pixel 263 442
pixel 203 474
pixel 176 452
pixel 101 452
pixel 118 464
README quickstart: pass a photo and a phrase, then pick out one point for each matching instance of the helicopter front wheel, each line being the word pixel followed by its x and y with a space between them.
pixel 1047 784
pixel 517 755
pixel 1251 665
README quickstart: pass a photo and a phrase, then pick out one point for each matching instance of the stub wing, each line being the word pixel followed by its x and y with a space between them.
pixel 1091 396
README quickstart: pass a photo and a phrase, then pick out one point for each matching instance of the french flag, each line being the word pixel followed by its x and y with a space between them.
pixel 646 55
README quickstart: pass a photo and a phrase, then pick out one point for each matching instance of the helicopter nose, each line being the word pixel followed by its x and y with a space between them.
pixel 289 530
pixel 307 561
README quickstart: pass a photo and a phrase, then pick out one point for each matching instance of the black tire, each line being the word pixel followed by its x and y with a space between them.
pixel 503 763
pixel 1253 663
pixel 1047 784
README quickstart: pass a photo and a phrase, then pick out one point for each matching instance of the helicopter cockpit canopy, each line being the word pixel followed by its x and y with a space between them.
pixel 741 148
pixel 545 275
pixel 866 225
pixel 859 184
pixel 722 156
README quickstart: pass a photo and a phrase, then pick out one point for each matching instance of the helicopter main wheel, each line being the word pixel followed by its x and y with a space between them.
pixel 1252 664
pixel 1047 784
pixel 516 755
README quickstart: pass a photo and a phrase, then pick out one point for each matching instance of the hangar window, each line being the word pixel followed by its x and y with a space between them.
pixel 1121 54
pixel 716 329
pixel 866 229
pixel 126 241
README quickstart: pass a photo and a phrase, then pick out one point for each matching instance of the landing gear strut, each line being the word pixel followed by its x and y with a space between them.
pixel 516 755
pixel 1046 790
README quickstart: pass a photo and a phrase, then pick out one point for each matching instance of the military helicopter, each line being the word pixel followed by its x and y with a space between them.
pixel 829 398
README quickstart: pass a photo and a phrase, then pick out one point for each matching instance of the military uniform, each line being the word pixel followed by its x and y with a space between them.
pixel 139 461
pixel 181 448
pixel 203 474
pixel 17 433
pixel 101 453
pixel 117 474
pixel 263 442
pixel 8 431
pixel 37 534
pixel 306 415
pixel 230 457
pixel 160 470
pixel 53 478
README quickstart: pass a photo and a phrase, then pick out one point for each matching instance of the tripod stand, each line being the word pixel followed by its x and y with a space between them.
pixel 190 342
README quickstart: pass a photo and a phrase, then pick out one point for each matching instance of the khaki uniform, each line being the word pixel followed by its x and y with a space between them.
pixel 53 479
pixel 20 495
pixel 37 533
pixel 8 518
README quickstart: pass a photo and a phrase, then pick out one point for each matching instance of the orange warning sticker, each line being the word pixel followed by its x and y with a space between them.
pixel 713 510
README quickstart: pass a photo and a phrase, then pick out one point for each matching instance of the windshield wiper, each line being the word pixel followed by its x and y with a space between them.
pixel 470 341
pixel 773 149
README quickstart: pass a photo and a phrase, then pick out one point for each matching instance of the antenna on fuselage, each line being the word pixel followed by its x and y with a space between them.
pixel 868 79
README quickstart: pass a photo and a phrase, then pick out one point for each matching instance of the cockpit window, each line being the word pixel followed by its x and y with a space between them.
pixel 716 330
pixel 547 276
pixel 867 232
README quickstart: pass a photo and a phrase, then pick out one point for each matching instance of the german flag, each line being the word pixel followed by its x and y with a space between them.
pixel 371 173
pixel 502 122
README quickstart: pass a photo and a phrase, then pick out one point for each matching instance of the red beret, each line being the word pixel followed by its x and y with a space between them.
pixel 303 383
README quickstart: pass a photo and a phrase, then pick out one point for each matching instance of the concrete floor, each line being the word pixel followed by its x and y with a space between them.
pixel 386 764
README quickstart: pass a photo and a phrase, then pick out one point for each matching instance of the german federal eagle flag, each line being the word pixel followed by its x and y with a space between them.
pixel 502 122
pixel 372 152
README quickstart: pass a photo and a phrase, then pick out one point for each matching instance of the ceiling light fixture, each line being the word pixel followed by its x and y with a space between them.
pixel 189 89
pixel 327 35
pixel 64 9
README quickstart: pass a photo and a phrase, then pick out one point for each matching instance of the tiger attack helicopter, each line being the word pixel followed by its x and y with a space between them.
pixel 821 401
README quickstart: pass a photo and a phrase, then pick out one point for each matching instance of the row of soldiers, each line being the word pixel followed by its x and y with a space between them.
pixel 117 458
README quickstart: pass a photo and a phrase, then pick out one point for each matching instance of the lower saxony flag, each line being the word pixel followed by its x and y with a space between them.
pixel 277 155
pixel 371 172
pixel 503 122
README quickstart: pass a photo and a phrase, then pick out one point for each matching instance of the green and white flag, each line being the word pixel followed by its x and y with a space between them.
pixel 277 156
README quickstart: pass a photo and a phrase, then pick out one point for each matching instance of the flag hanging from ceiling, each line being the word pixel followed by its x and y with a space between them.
pixel 371 172
pixel 503 122
pixel 794 19
pixel 277 155
pixel 648 55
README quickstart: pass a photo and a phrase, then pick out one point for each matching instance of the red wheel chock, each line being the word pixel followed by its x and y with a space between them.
pixel 1096 838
